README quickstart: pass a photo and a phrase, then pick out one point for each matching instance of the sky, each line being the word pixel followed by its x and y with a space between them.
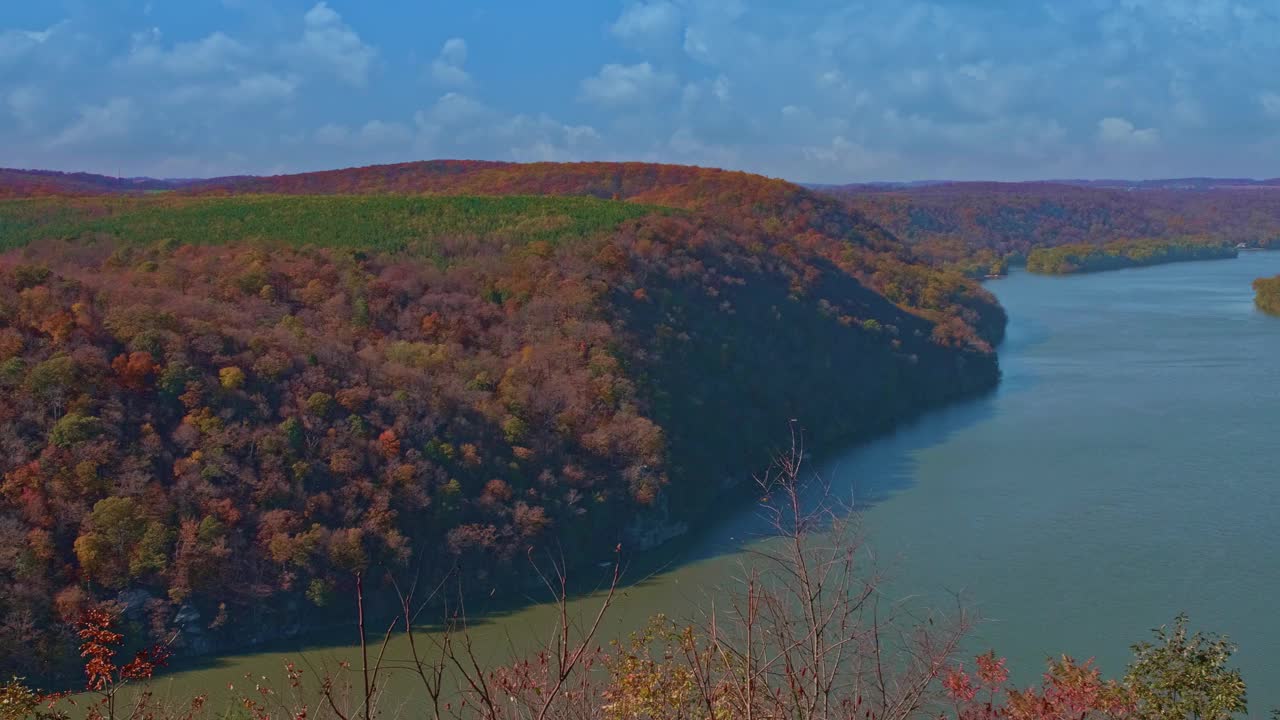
pixel 808 90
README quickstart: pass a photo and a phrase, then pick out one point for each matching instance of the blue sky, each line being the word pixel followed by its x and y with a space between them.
pixel 808 90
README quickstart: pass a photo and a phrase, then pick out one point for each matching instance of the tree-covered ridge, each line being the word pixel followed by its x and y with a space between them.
pixel 625 181
pixel 1268 294
pixel 1080 258
pixel 238 400
pixel 389 223
pixel 977 227
pixel 44 183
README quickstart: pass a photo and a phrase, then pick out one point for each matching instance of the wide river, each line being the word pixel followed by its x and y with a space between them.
pixel 1127 469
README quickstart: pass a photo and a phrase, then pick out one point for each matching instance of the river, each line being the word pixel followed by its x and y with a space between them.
pixel 1125 470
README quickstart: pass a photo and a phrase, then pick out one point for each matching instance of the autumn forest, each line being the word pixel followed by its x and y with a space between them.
pixel 230 401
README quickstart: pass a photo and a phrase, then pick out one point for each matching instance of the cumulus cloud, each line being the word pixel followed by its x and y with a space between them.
pixel 1119 131
pixel 244 92
pixel 706 97
pixel 16 43
pixel 111 120
pixel 332 134
pixel 457 125
pixel 377 133
pixel 686 146
pixel 541 138
pixel 452 109
pixel 448 68
pixel 697 45
pixel 260 87
pixel 373 134
pixel 852 159
pixel 721 88
pixel 216 52
pixel 647 22
pixel 23 103
pixel 623 85
pixel 1270 103
pixel 329 45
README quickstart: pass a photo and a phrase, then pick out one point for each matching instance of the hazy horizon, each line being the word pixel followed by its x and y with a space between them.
pixel 871 182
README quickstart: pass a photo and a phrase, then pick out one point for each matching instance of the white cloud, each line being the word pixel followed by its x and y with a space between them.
pixel 622 85
pixel 377 133
pixel 647 22
pixel 832 79
pixel 696 45
pixel 460 126
pixel 448 68
pixel 453 109
pixel 16 43
pixel 112 120
pixel 983 88
pixel 214 53
pixel 544 139
pixel 850 158
pixel 690 96
pixel 254 88
pixel 1270 102
pixel 706 96
pixel 721 88
pixel 686 146
pixel 330 45
pixel 1119 131
pixel 373 134
pixel 260 87
pixel 23 103
pixel 332 134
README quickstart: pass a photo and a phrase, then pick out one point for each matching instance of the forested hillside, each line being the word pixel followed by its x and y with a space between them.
pixel 977 228
pixel 219 408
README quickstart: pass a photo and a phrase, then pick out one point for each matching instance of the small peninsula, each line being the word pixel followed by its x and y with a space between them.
pixel 1081 258
pixel 1268 295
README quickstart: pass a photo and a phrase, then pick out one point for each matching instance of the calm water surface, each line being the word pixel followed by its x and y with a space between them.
pixel 1127 469
pixel 1124 471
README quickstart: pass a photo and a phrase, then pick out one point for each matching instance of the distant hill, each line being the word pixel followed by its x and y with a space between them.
pixel 1201 183
pixel 671 185
pixel 40 183
pixel 976 226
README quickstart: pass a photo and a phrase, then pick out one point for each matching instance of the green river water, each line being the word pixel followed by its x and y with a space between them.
pixel 1126 469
